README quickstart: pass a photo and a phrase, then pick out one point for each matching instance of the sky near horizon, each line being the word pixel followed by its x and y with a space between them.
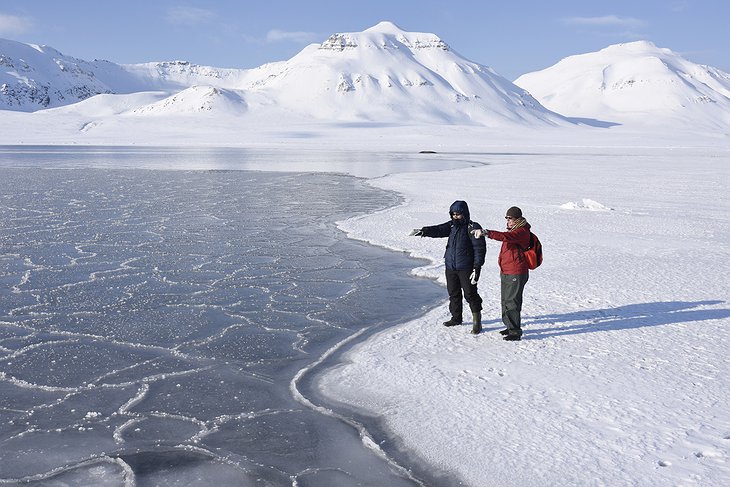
pixel 513 38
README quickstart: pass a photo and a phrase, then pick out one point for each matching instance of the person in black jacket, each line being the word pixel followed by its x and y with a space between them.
pixel 464 258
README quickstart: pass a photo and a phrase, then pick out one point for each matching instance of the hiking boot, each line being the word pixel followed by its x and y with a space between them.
pixel 477 326
pixel 452 322
pixel 513 338
pixel 504 332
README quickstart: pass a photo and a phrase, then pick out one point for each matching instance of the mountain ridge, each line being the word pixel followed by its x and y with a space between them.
pixel 381 74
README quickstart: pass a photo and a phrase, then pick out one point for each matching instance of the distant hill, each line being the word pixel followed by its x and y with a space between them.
pixel 635 82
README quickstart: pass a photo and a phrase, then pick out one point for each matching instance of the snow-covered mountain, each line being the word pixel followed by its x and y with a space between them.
pixel 633 82
pixel 36 77
pixel 387 74
pixel 382 74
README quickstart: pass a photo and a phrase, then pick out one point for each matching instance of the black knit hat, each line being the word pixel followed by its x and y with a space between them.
pixel 514 212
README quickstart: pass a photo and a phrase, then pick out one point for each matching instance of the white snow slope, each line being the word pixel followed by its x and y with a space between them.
pixel 632 82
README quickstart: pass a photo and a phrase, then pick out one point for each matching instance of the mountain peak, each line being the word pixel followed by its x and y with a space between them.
pixel 384 35
pixel 385 27
pixel 634 46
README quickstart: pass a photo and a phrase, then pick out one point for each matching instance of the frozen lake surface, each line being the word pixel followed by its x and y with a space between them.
pixel 152 322
pixel 356 163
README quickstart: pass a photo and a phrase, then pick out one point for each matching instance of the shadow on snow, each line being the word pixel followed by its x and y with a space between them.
pixel 621 318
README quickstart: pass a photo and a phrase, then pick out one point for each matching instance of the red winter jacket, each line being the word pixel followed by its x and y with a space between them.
pixel 511 260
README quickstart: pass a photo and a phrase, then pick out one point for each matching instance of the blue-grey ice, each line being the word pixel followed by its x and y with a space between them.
pixel 152 323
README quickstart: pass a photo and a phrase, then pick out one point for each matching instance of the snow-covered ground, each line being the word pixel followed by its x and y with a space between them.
pixel 622 375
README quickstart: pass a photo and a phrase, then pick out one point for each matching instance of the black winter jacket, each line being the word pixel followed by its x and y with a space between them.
pixel 463 251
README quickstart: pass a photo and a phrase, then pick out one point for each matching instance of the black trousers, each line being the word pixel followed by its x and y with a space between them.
pixel 459 286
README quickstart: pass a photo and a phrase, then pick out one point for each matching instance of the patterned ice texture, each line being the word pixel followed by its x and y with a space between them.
pixel 151 323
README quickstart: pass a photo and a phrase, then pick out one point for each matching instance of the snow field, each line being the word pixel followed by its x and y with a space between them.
pixel 621 378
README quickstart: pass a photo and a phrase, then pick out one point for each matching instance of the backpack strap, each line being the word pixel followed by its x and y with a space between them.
pixel 532 243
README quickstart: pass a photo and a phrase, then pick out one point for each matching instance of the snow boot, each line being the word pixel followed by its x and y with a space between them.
pixel 477 326
pixel 504 332
pixel 452 322
pixel 513 338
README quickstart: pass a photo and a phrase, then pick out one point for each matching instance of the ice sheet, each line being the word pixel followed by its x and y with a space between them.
pixel 152 322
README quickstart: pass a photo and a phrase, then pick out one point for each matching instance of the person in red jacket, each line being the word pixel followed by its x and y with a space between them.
pixel 514 272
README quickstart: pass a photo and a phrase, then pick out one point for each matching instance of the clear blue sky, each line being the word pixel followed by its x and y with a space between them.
pixel 511 37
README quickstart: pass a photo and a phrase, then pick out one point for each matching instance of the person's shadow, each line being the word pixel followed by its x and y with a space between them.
pixel 621 318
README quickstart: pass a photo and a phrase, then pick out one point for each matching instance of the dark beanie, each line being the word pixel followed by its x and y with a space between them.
pixel 514 212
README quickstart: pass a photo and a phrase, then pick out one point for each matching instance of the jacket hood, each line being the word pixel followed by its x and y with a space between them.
pixel 462 208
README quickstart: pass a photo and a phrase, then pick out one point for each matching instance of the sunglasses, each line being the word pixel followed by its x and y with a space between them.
pixel 509 218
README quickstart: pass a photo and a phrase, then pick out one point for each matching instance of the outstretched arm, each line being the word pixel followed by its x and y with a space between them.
pixel 520 236
pixel 435 231
pixel 517 236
